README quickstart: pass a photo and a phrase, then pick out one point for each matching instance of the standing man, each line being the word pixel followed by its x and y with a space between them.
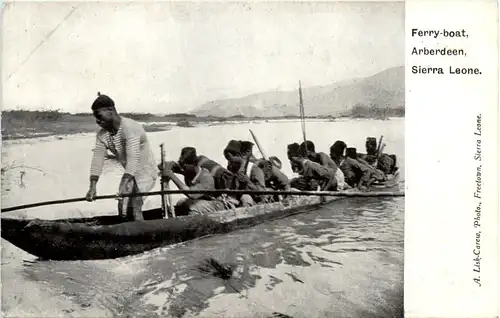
pixel 127 141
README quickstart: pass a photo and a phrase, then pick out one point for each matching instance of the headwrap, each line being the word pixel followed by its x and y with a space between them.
pixel 275 161
pixel 233 147
pixel 310 146
pixel 337 149
pixel 102 101
pixel 351 153
pixel 188 156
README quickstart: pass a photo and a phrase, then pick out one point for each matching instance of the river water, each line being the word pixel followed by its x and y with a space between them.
pixel 343 260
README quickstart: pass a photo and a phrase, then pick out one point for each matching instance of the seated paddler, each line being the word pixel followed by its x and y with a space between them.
pixel 299 183
pixel 370 156
pixel 194 203
pixel 129 145
pixel 322 158
pixel 312 174
pixel 337 151
pixel 223 178
pixel 337 154
pixel 267 175
pixel 351 168
pixel 358 174
pixel 293 148
pixel 239 154
pixel 308 148
pixel 376 158
pixel 387 164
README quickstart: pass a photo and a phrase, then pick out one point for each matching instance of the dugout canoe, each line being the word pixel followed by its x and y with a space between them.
pixel 107 237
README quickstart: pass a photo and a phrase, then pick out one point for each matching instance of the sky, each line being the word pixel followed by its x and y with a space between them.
pixel 172 57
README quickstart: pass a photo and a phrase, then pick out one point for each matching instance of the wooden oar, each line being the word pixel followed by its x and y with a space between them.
pixel 258 145
pixel 216 193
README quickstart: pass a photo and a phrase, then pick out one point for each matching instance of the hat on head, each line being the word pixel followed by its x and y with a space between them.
pixel 337 149
pixel 188 156
pixel 234 147
pixel 371 143
pixel 293 150
pixel 102 101
pixel 310 146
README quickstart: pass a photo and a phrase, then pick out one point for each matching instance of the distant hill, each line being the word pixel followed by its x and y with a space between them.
pixel 384 89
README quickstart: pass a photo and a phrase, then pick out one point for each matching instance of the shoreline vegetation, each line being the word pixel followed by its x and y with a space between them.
pixel 25 124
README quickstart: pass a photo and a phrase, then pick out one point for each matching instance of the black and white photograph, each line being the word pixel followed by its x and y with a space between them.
pixel 203 159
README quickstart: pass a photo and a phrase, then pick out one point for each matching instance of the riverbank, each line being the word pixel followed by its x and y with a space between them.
pixel 24 124
pixel 35 124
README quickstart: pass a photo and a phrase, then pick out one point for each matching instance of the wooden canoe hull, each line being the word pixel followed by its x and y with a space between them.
pixel 104 237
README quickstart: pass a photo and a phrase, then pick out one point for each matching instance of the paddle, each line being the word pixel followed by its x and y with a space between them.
pixel 216 192
pixel 258 145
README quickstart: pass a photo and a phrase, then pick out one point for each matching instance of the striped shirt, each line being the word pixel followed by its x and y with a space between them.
pixel 130 146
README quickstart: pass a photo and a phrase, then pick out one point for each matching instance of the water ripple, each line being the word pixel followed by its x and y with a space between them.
pixel 322 253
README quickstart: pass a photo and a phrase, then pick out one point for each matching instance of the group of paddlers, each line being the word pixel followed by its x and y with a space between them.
pixel 126 139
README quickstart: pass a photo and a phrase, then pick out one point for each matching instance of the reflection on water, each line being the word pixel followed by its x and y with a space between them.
pixel 344 260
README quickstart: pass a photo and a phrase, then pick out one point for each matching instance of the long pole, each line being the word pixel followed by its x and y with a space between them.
pixel 217 192
pixel 258 145
pixel 170 208
pixel 162 184
pixel 302 115
pixel 379 145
